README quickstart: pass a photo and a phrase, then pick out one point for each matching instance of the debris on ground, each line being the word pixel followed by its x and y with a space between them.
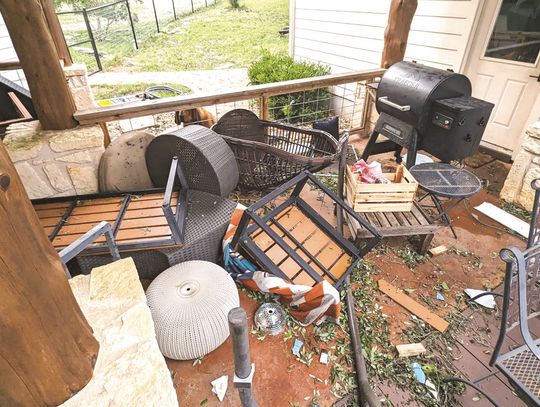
pixel 439 296
pixel 410 349
pixel 412 306
pixel 296 347
pixel 323 359
pixel 219 387
pixel 487 301
pixel 504 218
pixel 435 251
pixel 421 378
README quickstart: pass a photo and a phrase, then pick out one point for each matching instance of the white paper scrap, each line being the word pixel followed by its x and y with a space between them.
pixel 219 387
pixel 504 218
pixel 487 301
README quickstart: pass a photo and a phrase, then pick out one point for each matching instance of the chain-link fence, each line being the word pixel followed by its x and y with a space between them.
pixel 103 36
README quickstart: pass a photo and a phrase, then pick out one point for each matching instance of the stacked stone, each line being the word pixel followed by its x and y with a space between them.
pixel 55 163
pixel 526 167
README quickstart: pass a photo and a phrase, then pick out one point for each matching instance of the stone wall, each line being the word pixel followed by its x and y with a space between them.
pixel 526 167
pixel 77 79
pixel 55 163
pixel 130 369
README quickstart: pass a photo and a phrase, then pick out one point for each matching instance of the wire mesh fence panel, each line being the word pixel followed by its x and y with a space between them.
pixel 197 4
pixel 144 19
pixel 165 12
pixel 183 7
pixel 112 32
pixel 78 39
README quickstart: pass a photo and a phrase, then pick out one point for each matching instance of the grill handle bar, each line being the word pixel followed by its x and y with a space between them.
pixel 384 99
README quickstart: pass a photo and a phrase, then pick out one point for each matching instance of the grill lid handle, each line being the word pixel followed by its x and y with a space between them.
pixel 384 99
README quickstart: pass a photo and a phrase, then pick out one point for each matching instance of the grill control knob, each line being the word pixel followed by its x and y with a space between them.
pixel 462 121
pixel 468 139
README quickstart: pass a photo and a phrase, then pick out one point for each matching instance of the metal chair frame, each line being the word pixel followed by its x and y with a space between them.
pixel 521 282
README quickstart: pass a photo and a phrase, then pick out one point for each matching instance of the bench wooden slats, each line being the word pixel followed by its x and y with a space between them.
pixel 413 223
pixel 312 239
pixel 143 220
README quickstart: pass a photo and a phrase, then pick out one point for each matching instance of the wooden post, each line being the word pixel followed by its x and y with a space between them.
pixel 47 349
pixel 397 31
pixel 264 108
pixel 56 31
pixel 39 59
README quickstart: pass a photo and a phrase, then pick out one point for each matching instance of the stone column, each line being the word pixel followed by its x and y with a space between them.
pixel 526 167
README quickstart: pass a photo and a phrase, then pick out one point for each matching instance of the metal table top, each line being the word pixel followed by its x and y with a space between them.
pixel 446 180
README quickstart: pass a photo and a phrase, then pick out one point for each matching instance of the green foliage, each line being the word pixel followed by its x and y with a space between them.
pixel 294 107
pixel 234 3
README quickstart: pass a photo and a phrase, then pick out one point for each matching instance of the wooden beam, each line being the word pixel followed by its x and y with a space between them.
pixel 35 48
pixel 397 31
pixel 10 65
pixel 150 107
pixel 56 31
pixel 47 350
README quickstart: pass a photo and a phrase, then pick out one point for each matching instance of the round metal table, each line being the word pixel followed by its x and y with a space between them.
pixel 446 181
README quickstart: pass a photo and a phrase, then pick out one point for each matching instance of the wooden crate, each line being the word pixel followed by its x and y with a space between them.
pixel 395 197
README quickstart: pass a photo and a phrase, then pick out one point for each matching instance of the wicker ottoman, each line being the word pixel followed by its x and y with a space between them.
pixel 190 303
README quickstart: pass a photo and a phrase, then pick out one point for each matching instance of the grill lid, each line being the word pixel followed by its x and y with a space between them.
pixel 407 91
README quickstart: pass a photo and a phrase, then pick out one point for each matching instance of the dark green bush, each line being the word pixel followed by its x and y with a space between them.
pixel 292 107
pixel 235 3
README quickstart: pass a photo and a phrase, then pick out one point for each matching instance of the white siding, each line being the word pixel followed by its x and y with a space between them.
pixel 7 53
pixel 349 34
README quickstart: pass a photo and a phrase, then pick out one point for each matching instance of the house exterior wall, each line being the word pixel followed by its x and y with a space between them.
pixel 349 34
pixel 7 53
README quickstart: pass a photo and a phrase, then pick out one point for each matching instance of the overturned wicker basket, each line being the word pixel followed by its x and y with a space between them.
pixel 268 153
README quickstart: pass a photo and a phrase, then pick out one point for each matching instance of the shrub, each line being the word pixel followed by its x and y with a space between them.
pixel 292 107
pixel 235 3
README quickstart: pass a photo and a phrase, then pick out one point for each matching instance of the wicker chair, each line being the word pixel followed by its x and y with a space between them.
pixel 268 153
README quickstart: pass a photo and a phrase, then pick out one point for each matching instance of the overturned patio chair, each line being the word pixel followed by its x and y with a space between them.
pixel 157 228
pixel 269 153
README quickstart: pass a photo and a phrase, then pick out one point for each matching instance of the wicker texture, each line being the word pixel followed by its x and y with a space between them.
pixel 207 219
pixel 209 164
pixel 269 154
pixel 190 303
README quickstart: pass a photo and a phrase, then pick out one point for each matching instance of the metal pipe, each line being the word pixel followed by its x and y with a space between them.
pixel 242 362
pixel 365 393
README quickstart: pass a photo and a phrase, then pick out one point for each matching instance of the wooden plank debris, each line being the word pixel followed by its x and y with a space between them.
pixel 436 251
pixel 412 306
pixel 410 349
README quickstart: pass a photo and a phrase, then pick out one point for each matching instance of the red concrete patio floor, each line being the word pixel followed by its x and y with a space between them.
pixel 281 380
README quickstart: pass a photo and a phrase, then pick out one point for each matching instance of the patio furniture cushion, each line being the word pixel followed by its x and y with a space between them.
pixel 190 303
pixel 123 166
pixel 208 162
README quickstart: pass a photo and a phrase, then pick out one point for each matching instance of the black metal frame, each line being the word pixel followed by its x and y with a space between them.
pixel 79 245
pixel 176 222
pixel 251 221
pixel 516 262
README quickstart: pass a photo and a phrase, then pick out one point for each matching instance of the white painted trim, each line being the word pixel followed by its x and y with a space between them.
pixel 472 34
pixel 292 26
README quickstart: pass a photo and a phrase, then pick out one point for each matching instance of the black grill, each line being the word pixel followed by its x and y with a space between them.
pixel 425 108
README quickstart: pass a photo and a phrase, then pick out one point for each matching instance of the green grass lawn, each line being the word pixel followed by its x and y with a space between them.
pixel 115 90
pixel 214 37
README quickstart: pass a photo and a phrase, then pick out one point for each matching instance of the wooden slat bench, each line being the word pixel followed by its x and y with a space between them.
pixel 413 223
pixel 139 220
